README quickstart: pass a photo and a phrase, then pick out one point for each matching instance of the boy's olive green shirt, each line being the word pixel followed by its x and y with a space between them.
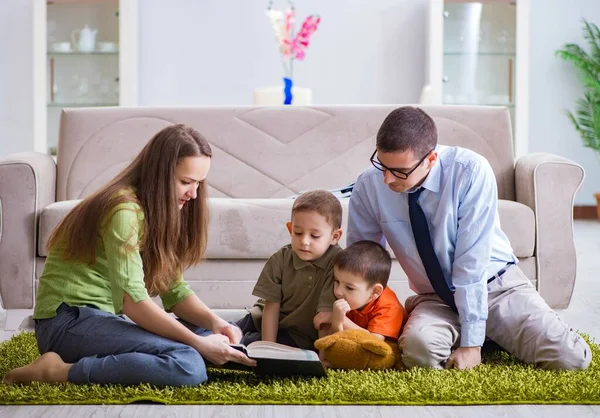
pixel 303 288
pixel 118 270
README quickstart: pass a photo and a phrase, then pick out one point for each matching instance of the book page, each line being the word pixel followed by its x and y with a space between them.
pixel 267 349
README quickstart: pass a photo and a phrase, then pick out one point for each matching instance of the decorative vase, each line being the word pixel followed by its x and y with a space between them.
pixel 287 91
pixel 597 195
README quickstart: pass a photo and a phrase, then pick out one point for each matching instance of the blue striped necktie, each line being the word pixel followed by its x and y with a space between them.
pixel 420 229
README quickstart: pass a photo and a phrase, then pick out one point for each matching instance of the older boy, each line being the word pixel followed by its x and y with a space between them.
pixel 364 301
pixel 296 282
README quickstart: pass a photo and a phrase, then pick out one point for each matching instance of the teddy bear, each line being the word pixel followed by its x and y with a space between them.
pixel 358 349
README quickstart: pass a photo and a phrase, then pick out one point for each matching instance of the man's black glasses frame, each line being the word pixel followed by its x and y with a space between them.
pixel 395 171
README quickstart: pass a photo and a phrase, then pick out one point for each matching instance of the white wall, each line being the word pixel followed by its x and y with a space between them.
pixel 554 86
pixel 16 76
pixel 195 52
pixel 207 52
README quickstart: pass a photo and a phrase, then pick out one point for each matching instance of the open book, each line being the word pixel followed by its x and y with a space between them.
pixel 280 360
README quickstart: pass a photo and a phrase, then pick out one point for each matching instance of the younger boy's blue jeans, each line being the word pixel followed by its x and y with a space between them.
pixel 107 348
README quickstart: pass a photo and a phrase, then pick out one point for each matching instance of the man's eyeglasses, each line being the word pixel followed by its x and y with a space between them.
pixel 395 171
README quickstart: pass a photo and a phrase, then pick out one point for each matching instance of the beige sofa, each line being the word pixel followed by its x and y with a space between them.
pixel 262 156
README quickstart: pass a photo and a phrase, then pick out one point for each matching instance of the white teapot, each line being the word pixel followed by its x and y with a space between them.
pixel 87 39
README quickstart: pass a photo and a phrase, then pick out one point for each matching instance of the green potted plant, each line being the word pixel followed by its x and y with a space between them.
pixel 586 118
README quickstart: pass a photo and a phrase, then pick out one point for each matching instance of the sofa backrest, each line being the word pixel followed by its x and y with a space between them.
pixel 262 152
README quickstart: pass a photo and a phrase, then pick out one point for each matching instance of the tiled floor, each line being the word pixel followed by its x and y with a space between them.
pixel 583 314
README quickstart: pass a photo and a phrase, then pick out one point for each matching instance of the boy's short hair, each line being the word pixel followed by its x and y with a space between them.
pixel 322 202
pixel 367 259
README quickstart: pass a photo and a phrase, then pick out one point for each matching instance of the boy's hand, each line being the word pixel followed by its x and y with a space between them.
pixel 341 306
pixel 324 361
pixel 321 319
pixel 340 309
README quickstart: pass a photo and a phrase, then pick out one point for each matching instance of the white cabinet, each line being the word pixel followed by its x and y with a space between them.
pixel 85 55
pixel 475 54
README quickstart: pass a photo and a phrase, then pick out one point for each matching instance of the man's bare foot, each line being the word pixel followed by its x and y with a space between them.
pixel 48 368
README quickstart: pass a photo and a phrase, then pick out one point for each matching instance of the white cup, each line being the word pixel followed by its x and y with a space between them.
pixel 60 47
pixel 106 46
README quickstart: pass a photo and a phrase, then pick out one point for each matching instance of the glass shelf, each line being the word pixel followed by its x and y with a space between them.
pixel 82 104
pixel 481 54
pixel 510 106
pixel 52 53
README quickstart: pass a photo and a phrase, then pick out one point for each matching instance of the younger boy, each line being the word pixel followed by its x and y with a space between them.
pixel 296 282
pixel 364 301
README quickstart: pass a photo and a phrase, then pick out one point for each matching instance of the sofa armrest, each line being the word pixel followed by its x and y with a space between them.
pixel 547 184
pixel 27 185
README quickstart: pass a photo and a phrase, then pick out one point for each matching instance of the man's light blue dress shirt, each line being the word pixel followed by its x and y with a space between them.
pixel 460 202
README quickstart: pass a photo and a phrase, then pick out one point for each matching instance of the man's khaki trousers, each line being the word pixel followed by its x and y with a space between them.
pixel 519 321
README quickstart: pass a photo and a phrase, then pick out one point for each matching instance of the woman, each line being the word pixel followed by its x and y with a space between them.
pixel 127 242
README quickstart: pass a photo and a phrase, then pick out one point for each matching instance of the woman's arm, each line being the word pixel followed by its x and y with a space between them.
pixel 270 321
pixel 194 311
pixel 151 317
pixel 121 238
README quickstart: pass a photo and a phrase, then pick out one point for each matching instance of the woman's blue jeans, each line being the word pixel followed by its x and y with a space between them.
pixel 107 348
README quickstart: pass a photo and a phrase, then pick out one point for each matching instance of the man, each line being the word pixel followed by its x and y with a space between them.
pixel 436 206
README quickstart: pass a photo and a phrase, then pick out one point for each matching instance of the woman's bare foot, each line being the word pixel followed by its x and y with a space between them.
pixel 48 368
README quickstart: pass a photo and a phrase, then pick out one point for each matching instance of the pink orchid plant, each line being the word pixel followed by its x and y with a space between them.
pixel 292 46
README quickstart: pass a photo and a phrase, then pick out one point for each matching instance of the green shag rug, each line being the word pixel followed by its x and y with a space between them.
pixel 499 380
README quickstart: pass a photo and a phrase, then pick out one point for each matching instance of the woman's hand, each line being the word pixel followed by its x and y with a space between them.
pixel 215 348
pixel 230 331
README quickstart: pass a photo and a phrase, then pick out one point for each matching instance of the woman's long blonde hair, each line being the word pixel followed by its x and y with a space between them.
pixel 173 239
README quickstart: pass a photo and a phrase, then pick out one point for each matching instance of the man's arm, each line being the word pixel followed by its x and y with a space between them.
pixel 477 212
pixel 362 224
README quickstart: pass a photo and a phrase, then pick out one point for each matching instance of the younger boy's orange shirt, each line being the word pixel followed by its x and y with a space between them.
pixel 384 315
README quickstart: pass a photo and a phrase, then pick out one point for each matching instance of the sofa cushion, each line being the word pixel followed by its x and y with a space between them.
pixel 255 228
pixel 518 223
pixel 49 219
